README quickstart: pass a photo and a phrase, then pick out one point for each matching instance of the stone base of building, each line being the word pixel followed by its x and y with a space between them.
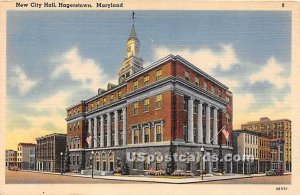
pixel 140 160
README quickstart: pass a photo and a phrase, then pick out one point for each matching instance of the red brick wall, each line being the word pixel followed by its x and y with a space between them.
pixel 152 115
pixel 81 132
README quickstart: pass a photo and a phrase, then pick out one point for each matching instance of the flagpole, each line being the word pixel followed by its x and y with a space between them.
pixel 216 134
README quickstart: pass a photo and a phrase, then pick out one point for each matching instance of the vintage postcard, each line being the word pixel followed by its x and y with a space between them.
pixel 124 97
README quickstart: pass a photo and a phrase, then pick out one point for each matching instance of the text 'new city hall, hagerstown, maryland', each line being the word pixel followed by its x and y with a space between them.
pixel 170 106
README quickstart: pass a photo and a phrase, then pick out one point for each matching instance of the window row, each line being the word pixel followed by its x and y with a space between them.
pixel 213 89
pixel 137 135
pixel 74 126
pixel 250 139
pixel 146 81
pixel 146 104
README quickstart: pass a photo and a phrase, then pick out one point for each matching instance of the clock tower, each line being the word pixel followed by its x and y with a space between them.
pixel 132 62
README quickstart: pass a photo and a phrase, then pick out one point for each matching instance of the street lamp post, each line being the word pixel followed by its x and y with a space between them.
pixel 202 163
pixel 92 158
pixel 61 164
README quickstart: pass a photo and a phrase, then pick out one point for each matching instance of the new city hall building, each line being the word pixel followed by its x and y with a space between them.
pixel 168 104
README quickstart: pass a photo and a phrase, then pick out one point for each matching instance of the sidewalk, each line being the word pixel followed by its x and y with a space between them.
pixel 142 178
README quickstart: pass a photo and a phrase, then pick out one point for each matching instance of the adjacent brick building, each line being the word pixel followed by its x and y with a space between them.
pixel 264 153
pixel 169 100
pixel 10 158
pixel 26 156
pixel 280 128
pixel 48 149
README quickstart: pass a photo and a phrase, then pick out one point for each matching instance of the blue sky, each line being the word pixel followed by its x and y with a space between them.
pixel 57 58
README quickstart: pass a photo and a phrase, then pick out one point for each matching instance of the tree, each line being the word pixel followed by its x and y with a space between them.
pixel 67 160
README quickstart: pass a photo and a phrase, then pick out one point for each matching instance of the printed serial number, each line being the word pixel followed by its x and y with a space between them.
pixel 281 188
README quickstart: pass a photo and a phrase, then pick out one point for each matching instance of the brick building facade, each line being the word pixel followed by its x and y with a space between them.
pixel 48 151
pixel 264 153
pixel 10 158
pixel 170 100
pixel 280 128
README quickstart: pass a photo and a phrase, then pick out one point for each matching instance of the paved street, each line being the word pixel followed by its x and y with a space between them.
pixel 286 179
pixel 20 177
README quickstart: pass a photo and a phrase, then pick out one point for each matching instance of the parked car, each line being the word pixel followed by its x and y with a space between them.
pixel 15 168
pixel 279 172
pixel 270 173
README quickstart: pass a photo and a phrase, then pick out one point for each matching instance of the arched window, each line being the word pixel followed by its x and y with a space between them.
pixel 103 161
pixel 97 161
pixel 111 161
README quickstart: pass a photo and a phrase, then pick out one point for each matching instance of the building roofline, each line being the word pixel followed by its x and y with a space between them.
pixel 246 131
pixel 51 135
pixel 254 122
pixel 182 60
pixel 26 144
pixel 150 67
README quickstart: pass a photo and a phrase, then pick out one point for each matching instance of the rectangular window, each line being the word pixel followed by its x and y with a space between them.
pixel 227 118
pixel 220 93
pixel 205 85
pixel 185 132
pixel 213 89
pixel 188 166
pixel 147 134
pixel 158 133
pixel 135 108
pixel 98 104
pixel 185 104
pixel 135 164
pixel 119 94
pixel 158 74
pixel 146 80
pixel 146 165
pixel 135 85
pixel 195 108
pixel 158 101
pixel 104 101
pixel 187 75
pixel 158 165
pixel 121 137
pixel 227 99
pixel 136 136
pixel 111 98
pixel 146 105
pixel 197 81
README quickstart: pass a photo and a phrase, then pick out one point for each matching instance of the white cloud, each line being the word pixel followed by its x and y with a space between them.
pixel 55 103
pixel 21 81
pixel 232 84
pixel 271 72
pixel 204 58
pixel 87 71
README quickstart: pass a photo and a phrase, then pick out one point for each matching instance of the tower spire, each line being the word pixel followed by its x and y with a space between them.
pixel 132 62
pixel 133 17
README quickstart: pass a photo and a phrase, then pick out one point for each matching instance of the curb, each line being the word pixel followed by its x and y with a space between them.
pixel 144 181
